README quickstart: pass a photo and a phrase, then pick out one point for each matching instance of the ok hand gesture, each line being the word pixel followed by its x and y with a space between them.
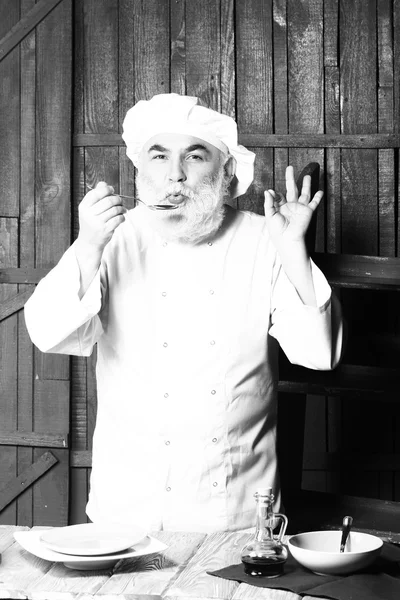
pixel 288 219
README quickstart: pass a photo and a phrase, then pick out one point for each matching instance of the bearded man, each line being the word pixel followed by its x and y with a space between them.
pixel 187 307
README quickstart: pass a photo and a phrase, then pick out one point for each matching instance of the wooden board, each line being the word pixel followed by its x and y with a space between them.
pixel 9 363
pixel 255 80
pixel 9 122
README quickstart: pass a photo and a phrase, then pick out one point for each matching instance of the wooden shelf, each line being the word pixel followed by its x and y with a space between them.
pixel 360 272
pixel 309 510
pixel 355 379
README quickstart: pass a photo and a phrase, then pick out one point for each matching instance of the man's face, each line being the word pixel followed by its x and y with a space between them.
pixel 186 171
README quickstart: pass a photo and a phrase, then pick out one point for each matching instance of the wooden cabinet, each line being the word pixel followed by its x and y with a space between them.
pixel 354 272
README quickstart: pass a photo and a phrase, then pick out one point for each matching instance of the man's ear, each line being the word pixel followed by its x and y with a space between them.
pixel 229 167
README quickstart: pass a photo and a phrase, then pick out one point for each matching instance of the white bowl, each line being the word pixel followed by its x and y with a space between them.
pixel 319 551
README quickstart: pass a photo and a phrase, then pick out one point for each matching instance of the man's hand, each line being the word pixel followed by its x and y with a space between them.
pixel 288 219
pixel 100 213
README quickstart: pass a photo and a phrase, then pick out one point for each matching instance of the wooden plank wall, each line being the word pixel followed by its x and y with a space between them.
pixel 35 213
pixel 279 67
pixel 289 71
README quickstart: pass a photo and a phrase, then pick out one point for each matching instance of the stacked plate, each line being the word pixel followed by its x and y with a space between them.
pixel 89 545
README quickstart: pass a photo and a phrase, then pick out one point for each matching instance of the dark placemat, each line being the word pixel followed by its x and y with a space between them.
pixel 379 581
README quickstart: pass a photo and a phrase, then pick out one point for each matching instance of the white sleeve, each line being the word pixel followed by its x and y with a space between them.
pixel 309 336
pixel 56 319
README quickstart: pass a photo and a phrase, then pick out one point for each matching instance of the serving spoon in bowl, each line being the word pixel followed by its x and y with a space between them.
pixel 346 525
pixel 166 206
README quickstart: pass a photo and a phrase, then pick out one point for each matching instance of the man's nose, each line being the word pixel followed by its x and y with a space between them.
pixel 177 172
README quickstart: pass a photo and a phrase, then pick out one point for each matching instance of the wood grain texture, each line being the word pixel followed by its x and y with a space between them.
pixel 26 253
pixel 131 576
pixel 53 155
pixel 305 65
pixel 81 458
pixel 25 25
pixel 78 110
pixel 305 86
pixel 151 48
pixel 91 397
pixel 101 66
pixel 396 58
pixel 360 266
pixel 254 66
pixel 22 275
pixel 49 440
pixel 387 202
pixel 51 492
pixel 9 122
pixel 51 406
pixel 281 123
pixel 333 181
pixel 7 535
pixel 203 52
pixel 8 361
pixel 78 364
pixel 331 33
pixel 126 90
pixel 218 550
pixel 255 80
pixel 14 304
pixel 386 159
pixel 265 140
pixel 52 227
pixel 79 403
pixel 263 180
pixel 20 569
pixel 101 164
pixel 61 582
pixel 228 59
pixel 359 204
pixel 178 46
pixel 126 45
pixel 358 66
pixel 16 485
pixel 51 413
pixel 53 115
pixel 385 42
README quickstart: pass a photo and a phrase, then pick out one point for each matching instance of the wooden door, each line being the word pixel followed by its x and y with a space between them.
pixel 35 117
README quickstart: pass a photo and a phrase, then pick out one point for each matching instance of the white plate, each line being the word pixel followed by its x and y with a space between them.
pixel 30 541
pixel 92 539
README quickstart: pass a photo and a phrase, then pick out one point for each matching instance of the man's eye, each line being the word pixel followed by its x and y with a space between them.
pixel 195 157
pixel 159 156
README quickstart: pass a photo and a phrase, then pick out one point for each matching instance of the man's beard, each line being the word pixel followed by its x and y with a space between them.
pixel 197 218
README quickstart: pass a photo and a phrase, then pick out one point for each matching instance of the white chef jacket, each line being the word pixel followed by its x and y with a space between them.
pixel 186 368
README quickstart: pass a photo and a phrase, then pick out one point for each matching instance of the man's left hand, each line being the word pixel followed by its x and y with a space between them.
pixel 288 219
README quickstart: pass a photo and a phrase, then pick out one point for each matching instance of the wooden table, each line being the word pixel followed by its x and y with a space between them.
pixel 179 572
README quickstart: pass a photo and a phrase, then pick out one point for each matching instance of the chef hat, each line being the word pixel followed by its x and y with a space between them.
pixel 172 113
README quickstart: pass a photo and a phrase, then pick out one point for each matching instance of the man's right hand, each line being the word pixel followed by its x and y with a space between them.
pixel 100 213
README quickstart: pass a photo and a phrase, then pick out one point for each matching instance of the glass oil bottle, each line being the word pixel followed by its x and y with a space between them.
pixel 265 554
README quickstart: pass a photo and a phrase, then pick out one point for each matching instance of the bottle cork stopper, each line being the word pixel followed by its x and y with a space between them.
pixel 266 491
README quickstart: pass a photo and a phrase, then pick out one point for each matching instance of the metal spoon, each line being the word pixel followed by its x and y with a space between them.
pixel 346 525
pixel 167 206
